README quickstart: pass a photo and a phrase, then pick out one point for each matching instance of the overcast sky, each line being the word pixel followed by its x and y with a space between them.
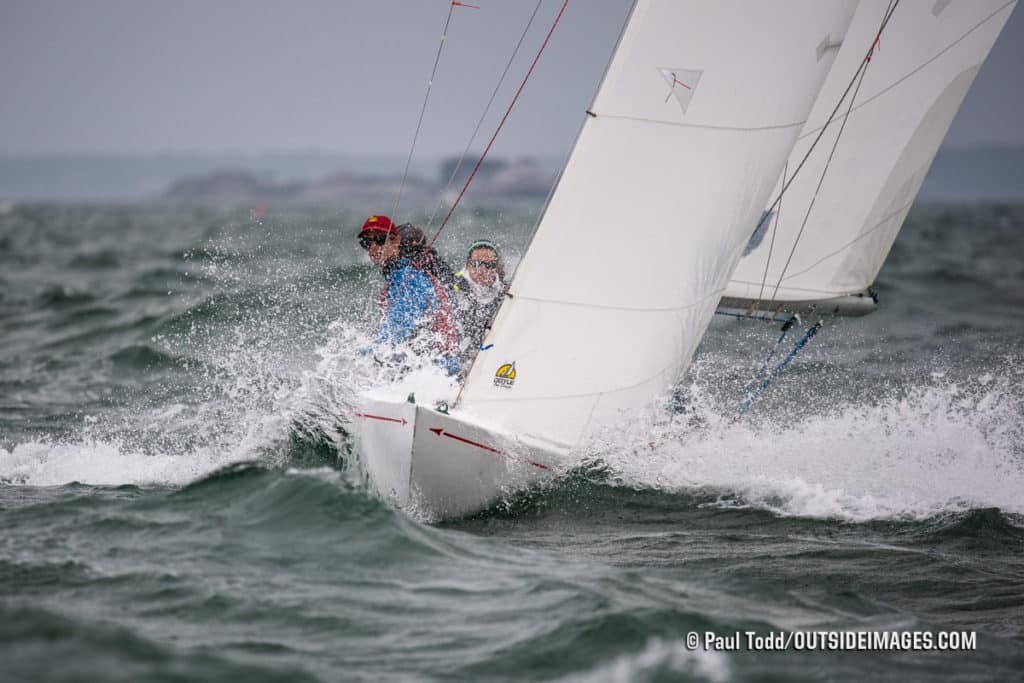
pixel 214 76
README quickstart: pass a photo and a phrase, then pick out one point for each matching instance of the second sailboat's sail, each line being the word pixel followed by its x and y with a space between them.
pixel 832 230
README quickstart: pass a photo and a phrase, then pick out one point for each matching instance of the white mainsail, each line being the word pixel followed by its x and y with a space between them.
pixel 699 109
pixel 919 73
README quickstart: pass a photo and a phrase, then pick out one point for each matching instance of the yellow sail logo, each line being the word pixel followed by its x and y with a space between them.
pixel 506 371
pixel 505 377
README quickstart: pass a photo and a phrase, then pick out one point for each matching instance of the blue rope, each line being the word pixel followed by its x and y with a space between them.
pixel 771 354
pixel 801 343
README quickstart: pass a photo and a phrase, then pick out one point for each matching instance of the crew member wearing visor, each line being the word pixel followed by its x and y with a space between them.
pixel 414 309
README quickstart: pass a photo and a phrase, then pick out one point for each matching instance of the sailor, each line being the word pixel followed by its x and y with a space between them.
pixel 478 289
pixel 416 309
pixel 413 246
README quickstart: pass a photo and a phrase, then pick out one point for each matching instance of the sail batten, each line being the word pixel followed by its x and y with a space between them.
pixel 634 309
pixel 705 126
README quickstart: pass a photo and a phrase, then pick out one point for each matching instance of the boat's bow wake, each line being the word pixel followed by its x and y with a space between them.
pixel 934 449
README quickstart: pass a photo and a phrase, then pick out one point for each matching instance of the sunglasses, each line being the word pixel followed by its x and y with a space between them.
pixel 474 263
pixel 379 239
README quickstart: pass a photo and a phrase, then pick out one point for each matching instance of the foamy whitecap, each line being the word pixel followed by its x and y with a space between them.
pixel 938 449
pixel 104 463
pixel 659 658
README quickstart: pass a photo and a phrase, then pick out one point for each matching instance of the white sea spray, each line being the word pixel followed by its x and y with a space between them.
pixel 932 449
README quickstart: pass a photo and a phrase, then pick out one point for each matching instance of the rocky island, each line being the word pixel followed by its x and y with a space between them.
pixel 496 180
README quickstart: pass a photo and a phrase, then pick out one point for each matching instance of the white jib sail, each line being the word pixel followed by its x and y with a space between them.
pixel 915 82
pixel 691 126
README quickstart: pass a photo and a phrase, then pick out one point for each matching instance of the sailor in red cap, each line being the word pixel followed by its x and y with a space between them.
pixel 379 237
pixel 412 301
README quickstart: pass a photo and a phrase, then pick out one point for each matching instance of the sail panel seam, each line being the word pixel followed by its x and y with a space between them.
pixel 704 126
pixel 631 309
pixel 849 244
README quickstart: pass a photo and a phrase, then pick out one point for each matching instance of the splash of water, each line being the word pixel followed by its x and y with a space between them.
pixel 933 449
pixel 662 658
pixel 104 463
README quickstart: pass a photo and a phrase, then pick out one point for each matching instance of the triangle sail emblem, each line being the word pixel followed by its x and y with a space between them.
pixel 681 84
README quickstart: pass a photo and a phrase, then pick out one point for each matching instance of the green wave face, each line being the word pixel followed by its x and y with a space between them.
pixel 181 499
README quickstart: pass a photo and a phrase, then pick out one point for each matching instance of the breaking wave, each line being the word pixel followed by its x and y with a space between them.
pixel 933 449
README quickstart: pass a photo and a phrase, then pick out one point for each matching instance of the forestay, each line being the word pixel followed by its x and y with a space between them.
pixel 689 131
pixel 919 73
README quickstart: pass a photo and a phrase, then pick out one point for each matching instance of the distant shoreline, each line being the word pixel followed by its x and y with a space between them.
pixel 958 174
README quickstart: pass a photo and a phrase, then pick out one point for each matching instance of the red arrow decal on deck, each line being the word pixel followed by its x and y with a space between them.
pixel 440 432
pixel 381 417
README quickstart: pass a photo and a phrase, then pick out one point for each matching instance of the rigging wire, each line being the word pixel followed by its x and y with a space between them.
pixel 497 130
pixel 568 152
pixel 857 78
pixel 771 245
pixel 817 189
pixel 875 97
pixel 479 123
pixel 423 109
pixel 500 125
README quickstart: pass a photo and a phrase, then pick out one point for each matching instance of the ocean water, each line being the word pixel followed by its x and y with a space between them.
pixel 179 500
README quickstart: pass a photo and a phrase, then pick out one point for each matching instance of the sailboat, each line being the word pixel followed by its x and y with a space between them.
pixel 668 202
pixel 822 246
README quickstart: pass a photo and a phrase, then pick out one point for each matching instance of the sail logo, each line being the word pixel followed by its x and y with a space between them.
pixel 505 377
pixel 681 85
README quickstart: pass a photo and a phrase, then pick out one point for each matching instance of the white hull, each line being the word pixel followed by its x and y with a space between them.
pixel 440 465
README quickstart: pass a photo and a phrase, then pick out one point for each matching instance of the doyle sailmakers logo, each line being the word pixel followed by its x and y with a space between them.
pixel 505 377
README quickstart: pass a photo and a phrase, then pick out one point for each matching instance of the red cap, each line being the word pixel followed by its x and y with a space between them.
pixel 379 224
